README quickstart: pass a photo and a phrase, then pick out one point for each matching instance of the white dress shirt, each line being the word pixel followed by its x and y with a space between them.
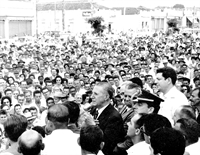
pixel 101 110
pixel 172 100
pixel 61 142
pixel 141 148
pixel 193 149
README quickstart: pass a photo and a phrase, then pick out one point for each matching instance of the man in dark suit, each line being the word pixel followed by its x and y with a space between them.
pixel 195 101
pixel 127 112
pixel 110 121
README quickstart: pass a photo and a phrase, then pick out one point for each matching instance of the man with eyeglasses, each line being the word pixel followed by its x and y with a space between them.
pixel 136 135
pixel 127 111
pixel 46 92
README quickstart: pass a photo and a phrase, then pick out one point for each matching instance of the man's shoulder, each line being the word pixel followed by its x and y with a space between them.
pixel 113 113
pixel 111 110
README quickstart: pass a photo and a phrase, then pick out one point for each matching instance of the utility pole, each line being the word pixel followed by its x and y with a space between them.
pixel 55 15
pixel 36 2
pixel 193 19
pixel 63 15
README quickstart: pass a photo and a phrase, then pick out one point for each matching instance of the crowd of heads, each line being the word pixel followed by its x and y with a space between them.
pixel 49 83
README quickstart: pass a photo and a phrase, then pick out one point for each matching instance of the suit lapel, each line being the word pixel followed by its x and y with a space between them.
pixel 105 113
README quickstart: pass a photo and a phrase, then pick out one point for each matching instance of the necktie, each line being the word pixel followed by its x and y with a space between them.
pixel 96 114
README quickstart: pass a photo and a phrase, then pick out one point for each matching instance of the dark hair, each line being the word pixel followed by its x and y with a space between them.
pixel 47 79
pixel 17 105
pixel 84 96
pixel 38 86
pixel 14 127
pixel 5 91
pixel 90 138
pixel 97 71
pixel 168 72
pixel 31 75
pixel 49 98
pixel 58 76
pixel 64 79
pixel 190 129
pixel 40 130
pixel 44 88
pixel 132 86
pixel 8 79
pixel 167 141
pixel 26 109
pixel 6 97
pixel 155 121
pixel 33 108
pixel 29 81
pixel 188 87
pixel 196 79
pixel 3 112
pixel 74 111
pixel 36 92
pixel 24 69
pixel 23 120
pixel 137 81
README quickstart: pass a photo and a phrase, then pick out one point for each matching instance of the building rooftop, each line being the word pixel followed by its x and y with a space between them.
pixel 68 6
pixel 131 10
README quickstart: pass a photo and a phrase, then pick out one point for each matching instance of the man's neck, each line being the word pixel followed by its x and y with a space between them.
pixel 28 102
pixel 137 139
pixel 105 104
pixel 198 108
pixel 168 89
pixel 38 102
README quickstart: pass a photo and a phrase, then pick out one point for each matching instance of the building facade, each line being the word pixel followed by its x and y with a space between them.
pixel 17 18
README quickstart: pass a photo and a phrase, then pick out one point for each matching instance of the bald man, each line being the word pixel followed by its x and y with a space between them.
pixel 30 143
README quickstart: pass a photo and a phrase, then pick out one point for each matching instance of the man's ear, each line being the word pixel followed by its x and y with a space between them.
pixel 150 110
pixel 106 97
pixel 78 141
pixel 169 80
pixel 137 131
pixel 102 145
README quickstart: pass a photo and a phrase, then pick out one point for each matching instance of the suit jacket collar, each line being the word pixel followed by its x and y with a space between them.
pixel 106 112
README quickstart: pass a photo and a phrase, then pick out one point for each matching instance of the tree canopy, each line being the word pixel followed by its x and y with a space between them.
pixel 179 6
pixel 96 24
pixel 172 23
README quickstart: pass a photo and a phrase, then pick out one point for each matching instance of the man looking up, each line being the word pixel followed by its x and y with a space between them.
pixel 166 78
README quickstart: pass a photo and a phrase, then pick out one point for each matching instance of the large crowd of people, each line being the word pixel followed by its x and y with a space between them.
pixel 126 94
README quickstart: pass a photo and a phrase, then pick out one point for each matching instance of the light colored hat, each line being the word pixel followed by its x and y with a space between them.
pixel 29 116
pixel 165 61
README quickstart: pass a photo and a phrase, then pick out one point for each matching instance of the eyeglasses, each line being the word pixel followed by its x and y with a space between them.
pixel 143 131
pixel 127 96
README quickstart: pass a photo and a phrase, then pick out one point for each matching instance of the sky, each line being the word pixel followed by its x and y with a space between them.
pixel 145 3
